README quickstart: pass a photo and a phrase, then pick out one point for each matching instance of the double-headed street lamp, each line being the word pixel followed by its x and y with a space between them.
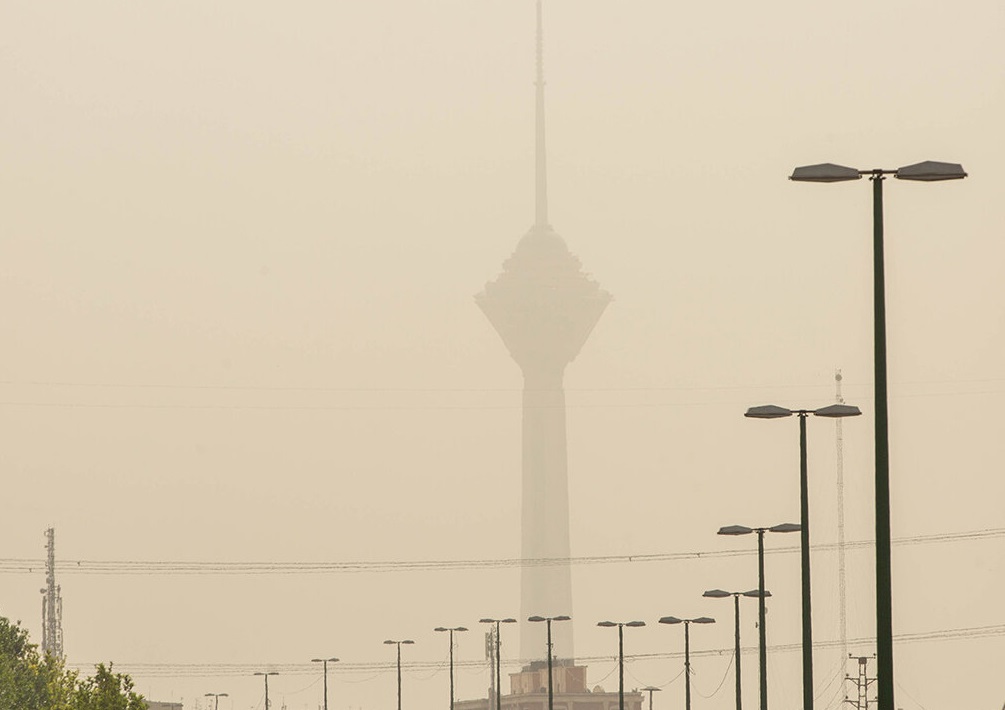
pixel 325 661
pixel 266 675
pixel 929 171
pixel 650 689
pixel 548 620
pixel 451 631
pixel 621 653
pixel 687 649
pixel 833 411
pixel 407 642
pixel 762 593
pixel 722 594
pixel 498 668
pixel 216 705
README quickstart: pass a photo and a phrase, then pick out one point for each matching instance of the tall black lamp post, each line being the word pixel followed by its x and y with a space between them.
pixel 451 631
pixel 621 653
pixel 406 642
pixel 687 649
pixel 551 682
pixel 498 668
pixel 216 696
pixel 762 645
pixel 928 171
pixel 720 594
pixel 266 675
pixel 325 662
pixel 833 411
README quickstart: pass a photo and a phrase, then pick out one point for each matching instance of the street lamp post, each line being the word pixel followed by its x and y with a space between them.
pixel 451 631
pixel 406 642
pixel 928 171
pixel 721 594
pixel 687 649
pixel 621 653
pixel 217 696
pixel 266 676
pixel 548 620
pixel 498 668
pixel 762 593
pixel 650 689
pixel 833 411
pixel 325 661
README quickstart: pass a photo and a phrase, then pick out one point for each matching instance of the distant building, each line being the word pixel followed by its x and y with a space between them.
pixel 529 691
pixel 154 705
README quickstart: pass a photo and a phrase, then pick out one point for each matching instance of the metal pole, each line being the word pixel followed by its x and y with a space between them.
pixel 266 691
pixel 399 675
pixel 498 671
pixel 736 651
pixel 687 664
pixel 325 664
pixel 621 667
pixel 804 551
pixel 762 636
pixel 551 692
pixel 884 593
pixel 451 669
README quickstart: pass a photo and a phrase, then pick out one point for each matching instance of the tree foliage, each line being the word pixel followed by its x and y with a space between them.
pixel 33 681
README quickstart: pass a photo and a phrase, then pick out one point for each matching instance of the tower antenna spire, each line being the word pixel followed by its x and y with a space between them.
pixel 541 153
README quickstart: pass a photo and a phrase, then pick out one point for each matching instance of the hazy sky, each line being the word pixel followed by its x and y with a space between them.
pixel 238 248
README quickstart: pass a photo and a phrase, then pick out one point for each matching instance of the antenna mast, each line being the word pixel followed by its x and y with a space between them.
pixel 52 602
pixel 541 156
pixel 842 587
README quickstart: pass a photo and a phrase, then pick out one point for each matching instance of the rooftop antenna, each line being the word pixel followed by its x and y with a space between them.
pixel 541 169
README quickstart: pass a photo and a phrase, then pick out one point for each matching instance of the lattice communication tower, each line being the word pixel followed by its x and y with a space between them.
pixel 52 602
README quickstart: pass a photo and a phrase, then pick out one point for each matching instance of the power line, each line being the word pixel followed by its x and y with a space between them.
pixel 192 670
pixel 150 567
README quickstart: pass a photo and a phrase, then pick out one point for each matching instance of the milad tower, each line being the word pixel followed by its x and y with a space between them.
pixel 544 307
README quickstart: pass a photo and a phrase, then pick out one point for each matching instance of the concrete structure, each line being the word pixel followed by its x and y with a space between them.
pixel 529 691
pixel 544 307
pixel 154 705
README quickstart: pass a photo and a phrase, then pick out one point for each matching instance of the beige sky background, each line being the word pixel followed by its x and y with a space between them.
pixel 238 248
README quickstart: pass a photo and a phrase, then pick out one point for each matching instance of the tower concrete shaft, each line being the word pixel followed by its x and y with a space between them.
pixel 544 308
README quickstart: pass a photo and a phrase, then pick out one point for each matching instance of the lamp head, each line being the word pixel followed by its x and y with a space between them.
pixel 671 620
pixel 635 624
pixel 825 172
pixel 703 620
pixel 768 411
pixel 931 171
pixel 785 528
pixel 717 593
pixel 735 530
pixel 835 411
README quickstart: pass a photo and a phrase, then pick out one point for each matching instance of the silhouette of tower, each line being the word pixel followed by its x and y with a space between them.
pixel 52 601
pixel 544 307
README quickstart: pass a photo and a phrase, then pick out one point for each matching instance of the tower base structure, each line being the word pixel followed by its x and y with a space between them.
pixel 529 691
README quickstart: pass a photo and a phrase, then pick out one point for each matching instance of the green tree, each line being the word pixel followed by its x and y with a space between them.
pixel 29 681
pixel 107 690
pixel 33 681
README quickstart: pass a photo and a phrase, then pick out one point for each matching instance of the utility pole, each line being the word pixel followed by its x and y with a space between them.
pixel 862 683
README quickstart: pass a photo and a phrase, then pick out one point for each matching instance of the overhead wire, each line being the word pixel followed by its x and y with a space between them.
pixel 178 567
